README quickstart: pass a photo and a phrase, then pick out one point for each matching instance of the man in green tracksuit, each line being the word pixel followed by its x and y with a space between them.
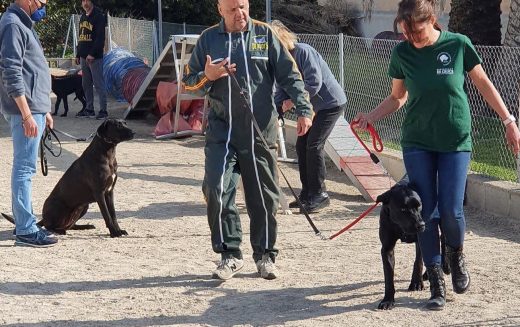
pixel 256 58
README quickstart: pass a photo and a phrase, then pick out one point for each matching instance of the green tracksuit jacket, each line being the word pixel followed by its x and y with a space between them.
pixel 232 146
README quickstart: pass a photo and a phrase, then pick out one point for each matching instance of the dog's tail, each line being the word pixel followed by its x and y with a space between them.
pixel 8 218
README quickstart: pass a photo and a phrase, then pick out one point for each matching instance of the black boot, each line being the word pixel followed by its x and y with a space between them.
pixel 437 288
pixel 303 200
pixel 459 273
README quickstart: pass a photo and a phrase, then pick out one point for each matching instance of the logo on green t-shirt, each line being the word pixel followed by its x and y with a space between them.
pixel 445 59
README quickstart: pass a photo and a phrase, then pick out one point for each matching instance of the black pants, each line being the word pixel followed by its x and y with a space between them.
pixel 309 148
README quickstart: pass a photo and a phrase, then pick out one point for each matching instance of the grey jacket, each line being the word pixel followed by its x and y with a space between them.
pixel 324 90
pixel 23 67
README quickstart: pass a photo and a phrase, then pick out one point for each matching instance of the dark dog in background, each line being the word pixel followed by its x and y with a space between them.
pixel 400 218
pixel 62 86
pixel 91 178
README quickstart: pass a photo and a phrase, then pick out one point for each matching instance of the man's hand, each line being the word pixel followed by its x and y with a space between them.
pixel 303 125
pixel 214 71
pixel 287 105
pixel 30 128
pixel 49 121
pixel 90 59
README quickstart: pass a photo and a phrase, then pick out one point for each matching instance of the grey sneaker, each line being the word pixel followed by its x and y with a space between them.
pixel 227 268
pixel 266 267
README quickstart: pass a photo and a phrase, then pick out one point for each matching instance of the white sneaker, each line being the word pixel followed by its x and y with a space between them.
pixel 266 267
pixel 227 268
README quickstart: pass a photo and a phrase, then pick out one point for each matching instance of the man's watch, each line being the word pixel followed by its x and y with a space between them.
pixel 510 119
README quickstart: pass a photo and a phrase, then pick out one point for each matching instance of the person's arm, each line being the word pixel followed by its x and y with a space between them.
pixel 311 71
pixel 279 96
pixel 98 34
pixel 12 50
pixel 289 78
pixel 490 94
pixel 202 70
pixel 390 104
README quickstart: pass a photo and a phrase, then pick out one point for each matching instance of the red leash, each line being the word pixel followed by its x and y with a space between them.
pixel 378 147
pixel 346 228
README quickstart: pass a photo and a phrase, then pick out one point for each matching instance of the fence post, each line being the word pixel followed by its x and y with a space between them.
pixel 129 35
pixel 341 62
pixel 74 36
pixel 183 28
pixel 67 38
pixel 109 21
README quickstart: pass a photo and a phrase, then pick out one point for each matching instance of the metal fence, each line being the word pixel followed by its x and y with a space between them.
pixel 361 64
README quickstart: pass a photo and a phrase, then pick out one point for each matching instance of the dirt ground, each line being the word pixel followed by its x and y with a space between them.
pixel 160 274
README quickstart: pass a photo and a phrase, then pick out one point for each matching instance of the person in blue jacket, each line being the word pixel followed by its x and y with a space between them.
pixel 25 86
pixel 328 100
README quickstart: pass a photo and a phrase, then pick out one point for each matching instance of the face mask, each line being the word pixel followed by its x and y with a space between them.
pixel 39 14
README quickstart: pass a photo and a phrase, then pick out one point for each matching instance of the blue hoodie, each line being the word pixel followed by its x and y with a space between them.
pixel 23 67
pixel 324 91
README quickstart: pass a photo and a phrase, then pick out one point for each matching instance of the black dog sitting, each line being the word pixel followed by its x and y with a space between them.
pixel 62 86
pixel 91 178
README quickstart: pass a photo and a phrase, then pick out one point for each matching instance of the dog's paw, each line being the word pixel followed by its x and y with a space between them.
pixel 416 285
pixel 54 113
pixel 63 115
pixel 386 304
pixel 286 212
pixel 118 233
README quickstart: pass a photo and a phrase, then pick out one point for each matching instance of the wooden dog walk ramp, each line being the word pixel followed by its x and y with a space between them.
pixel 349 156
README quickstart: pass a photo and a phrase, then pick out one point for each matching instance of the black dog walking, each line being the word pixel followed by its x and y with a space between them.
pixel 62 86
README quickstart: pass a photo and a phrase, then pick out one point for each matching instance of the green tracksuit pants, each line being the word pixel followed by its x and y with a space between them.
pixel 231 153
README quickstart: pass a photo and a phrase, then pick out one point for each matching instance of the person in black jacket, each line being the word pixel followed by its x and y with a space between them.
pixel 89 53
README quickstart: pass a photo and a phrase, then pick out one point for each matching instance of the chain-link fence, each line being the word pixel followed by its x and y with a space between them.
pixel 363 71
pixel 54 34
pixel 360 65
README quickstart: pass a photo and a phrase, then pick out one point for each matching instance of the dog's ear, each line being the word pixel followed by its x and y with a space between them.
pixel 384 198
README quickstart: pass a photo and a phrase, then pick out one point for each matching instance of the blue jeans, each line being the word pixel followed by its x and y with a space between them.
pixel 25 157
pixel 440 180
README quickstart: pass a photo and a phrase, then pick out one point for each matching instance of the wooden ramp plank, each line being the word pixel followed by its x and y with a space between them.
pixel 351 157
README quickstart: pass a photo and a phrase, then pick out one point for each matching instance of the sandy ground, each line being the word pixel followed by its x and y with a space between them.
pixel 160 275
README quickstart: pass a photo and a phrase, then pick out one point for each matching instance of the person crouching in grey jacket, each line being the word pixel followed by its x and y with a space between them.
pixel 328 100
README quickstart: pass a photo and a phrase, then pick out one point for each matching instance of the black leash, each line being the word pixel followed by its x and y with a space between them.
pixel 46 142
pixel 78 139
pixel 259 132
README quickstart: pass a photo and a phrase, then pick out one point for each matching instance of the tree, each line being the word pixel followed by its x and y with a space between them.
pixel 479 20
pixel 512 37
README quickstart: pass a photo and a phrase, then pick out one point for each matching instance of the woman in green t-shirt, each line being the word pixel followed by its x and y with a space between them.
pixel 427 73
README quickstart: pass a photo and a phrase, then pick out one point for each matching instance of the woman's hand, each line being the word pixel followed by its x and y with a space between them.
pixel 362 120
pixel 513 137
